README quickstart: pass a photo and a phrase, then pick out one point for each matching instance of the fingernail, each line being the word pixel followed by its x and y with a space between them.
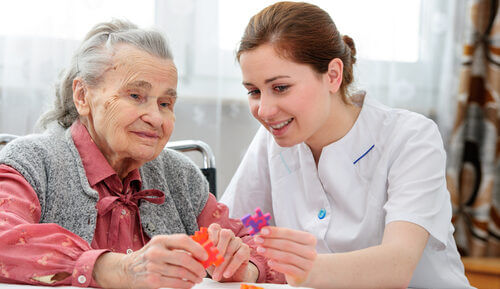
pixel 258 239
pixel 264 231
pixel 227 274
pixel 260 249
pixel 270 262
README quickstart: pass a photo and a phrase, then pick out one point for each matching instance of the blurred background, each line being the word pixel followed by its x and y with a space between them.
pixel 436 57
pixel 404 50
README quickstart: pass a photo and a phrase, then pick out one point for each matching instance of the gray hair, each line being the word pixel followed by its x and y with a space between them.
pixel 93 57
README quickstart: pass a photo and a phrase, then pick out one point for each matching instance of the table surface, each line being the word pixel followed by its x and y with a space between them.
pixel 206 284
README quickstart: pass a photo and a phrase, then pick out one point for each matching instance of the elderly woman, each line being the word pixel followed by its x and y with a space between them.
pixel 96 200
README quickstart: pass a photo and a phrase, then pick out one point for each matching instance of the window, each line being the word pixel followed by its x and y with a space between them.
pixel 69 19
pixel 379 32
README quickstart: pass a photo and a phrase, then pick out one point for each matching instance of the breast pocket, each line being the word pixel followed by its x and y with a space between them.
pixel 357 215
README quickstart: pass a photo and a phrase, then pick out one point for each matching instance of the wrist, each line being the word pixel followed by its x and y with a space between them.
pixel 252 274
pixel 316 273
pixel 109 271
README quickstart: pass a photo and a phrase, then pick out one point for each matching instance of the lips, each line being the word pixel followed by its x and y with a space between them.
pixel 280 124
pixel 146 134
pixel 280 128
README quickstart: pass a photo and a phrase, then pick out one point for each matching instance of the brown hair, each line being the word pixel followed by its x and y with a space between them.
pixel 303 33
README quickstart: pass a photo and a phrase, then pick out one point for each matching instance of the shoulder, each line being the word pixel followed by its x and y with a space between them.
pixel 178 174
pixel 396 126
pixel 35 146
pixel 35 156
pixel 176 169
pixel 394 117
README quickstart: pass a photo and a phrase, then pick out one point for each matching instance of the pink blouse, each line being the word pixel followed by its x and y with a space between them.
pixel 47 254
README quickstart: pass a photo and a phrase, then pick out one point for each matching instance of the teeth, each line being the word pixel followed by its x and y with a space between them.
pixel 280 125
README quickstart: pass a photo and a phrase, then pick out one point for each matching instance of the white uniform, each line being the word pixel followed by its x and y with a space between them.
pixel 389 167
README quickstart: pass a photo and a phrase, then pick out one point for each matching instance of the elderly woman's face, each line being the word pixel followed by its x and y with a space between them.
pixel 130 115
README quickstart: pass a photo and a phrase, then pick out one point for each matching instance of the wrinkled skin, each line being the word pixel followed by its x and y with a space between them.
pixel 129 114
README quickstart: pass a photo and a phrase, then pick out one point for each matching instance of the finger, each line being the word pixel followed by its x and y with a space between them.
pixel 152 269
pixel 182 273
pixel 213 233
pixel 288 269
pixel 241 257
pixel 231 249
pixel 225 237
pixel 301 237
pixel 286 257
pixel 160 255
pixel 183 242
pixel 305 251
pixel 168 282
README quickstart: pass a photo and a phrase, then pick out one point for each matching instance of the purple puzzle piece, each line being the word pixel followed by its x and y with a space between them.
pixel 256 221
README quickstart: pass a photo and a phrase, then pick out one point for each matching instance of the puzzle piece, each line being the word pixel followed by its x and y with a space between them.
pixel 214 258
pixel 213 255
pixel 201 236
pixel 257 221
pixel 248 286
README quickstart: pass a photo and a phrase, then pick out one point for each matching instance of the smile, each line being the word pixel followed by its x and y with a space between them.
pixel 281 124
pixel 147 135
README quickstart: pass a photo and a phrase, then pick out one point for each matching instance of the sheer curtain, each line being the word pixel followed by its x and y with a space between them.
pixel 405 59
pixel 37 39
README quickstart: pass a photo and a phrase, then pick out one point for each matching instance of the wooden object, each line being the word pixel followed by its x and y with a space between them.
pixel 483 273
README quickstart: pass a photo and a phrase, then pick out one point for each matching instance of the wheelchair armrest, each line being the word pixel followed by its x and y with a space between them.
pixel 208 168
pixel 195 145
pixel 5 138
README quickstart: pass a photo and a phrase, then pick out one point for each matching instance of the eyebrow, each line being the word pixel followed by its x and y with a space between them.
pixel 269 79
pixel 139 84
pixel 170 92
pixel 146 85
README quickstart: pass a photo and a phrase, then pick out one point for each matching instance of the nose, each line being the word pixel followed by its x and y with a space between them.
pixel 268 107
pixel 152 115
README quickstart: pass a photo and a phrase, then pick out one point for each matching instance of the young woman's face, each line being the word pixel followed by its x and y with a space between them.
pixel 291 100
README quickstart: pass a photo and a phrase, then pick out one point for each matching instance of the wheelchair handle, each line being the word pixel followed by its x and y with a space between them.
pixel 195 145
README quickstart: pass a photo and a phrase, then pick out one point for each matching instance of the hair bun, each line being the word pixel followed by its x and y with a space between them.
pixel 350 43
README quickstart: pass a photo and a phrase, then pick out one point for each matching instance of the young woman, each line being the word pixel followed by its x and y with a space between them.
pixel 357 190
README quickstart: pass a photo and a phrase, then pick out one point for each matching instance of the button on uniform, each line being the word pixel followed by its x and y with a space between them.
pixel 82 279
pixel 321 214
pixel 130 251
pixel 124 212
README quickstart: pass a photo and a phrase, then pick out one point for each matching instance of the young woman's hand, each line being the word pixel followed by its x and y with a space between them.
pixel 235 267
pixel 291 252
pixel 165 261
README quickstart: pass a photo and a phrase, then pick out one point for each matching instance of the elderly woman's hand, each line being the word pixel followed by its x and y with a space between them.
pixel 236 254
pixel 165 261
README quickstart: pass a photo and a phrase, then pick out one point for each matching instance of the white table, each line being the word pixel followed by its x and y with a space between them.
pixel 206 284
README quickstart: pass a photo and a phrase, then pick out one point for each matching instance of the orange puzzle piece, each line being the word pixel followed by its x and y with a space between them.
pixel 213 255
pixel 214 258
pixel 201 236
pixel 248 286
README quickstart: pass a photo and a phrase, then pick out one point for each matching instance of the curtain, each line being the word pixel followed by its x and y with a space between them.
pixel 37 43
pixel 473 169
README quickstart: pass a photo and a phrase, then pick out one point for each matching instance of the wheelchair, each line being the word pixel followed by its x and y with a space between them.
pixel 208 168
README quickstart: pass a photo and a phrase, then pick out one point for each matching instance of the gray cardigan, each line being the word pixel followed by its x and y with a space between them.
pixel 52 165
